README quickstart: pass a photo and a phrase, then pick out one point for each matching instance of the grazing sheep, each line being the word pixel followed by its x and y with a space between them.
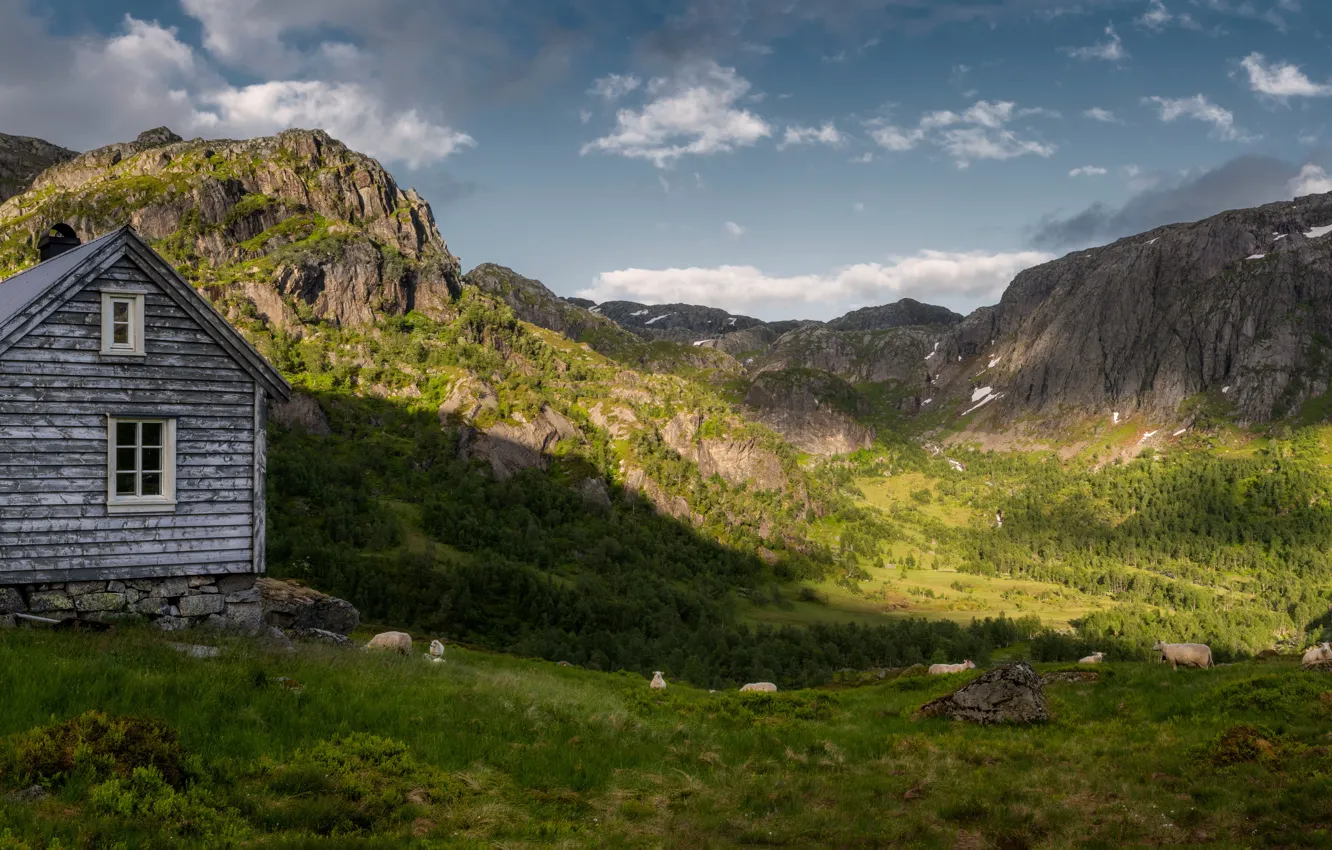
pixel 762 687
pixel 937 669
pixel 1188 654
pixel 657 681
pixel 1320 653
pixel 399 642
pixel 1094 658
pixel 436 651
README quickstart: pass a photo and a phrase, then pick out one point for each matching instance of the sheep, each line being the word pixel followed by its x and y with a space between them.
pixel 436 651
pixel 937 669
pixel 762 687
pixel 1188 654
pixel 399 642
pixel 657 681
pixel 1318 654
pixel 1094 658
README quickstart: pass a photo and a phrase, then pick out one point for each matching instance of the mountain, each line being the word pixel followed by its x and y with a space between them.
pixel 292 225
pixel 532 302
pixel 899 314
pixel 1236 308
pixel 682 322
pixel 22 158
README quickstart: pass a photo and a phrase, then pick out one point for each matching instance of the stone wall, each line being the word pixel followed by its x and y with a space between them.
pixel 236 603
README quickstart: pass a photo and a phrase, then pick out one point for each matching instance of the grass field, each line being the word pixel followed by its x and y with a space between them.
pixel 484 750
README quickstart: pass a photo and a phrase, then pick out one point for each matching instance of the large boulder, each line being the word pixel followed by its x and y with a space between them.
pixel 289 605
pixel 1010 693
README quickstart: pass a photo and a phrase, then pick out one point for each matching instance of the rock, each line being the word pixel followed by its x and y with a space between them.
pixel 294 606
pixel 320 636
pixel 1066 676
pixel 275 640
pixel 236 583
pixel 467 399
pixel 244 617
pixel 11 601
pixel 43 602
pixel 170 588
pixel 532 302
pixel 8 621
pixel 170 623
pixel 99 602
pixel 512 447
pixel 741 462
pixel 593 491
pixel 249 595
pixel 22 158
pixel 156 137
pixel 619 421
pixel 151 607
pixel 116 587
pixel 200 606
pixel 814 411
pixel 675 322
pixel 79 588
pixel 302 413
pixel 31 794
pixel 899 314
pixel 201 581
pixel 196 650
pixel 1010 693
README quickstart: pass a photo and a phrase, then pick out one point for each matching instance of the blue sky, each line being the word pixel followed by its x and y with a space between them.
pixel 783 158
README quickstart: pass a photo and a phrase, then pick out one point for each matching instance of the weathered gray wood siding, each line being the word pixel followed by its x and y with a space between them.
pixel 56 390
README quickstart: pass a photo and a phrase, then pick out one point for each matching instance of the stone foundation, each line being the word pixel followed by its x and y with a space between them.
pixel 236 603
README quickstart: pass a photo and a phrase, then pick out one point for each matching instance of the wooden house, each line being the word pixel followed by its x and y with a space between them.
pixel 132 433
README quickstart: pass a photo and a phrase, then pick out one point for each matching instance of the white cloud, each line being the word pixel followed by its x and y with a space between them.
pixel 1105 116
pixel 926 275
pixel 1131 170
pixel 1087 171
pixel 867 156
pixel 828 134
pixel 1281 80
pixel 1158 17
pixel 612 87
pixel 1312 180
pixel 1110 50
pixel 584 116
pixel 977 133
pixel 734 229
pixel 693 113
pixel 1200 108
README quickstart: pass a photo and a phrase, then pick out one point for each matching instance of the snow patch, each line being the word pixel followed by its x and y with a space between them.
pixel 926 401
pixel 658 318
pixel 1277 237
pixel 594 310
pixel 1225 390
pixel 1153 241
pixel 956 465
pixel 1180 431
pixel 1317 231
pixel 980 392
pixel 701 341
pixel 731 320
pixel 1145 437
pixel 640 312
pixel 1255 256
pixel 933 352
pixel 994 361
pixel 1114 418
pixel 982 402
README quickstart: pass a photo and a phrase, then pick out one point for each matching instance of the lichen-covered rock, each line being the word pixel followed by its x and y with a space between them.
pixel 302 413
pixel 1069 676
pixel 11 601
pixel 22 158
pixel 45 602
pixel 1010 693
pixel 512 446
pixel 99 602
pixel 201 605
pixel 290 605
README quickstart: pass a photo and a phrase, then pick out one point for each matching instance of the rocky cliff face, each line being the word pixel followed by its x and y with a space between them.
pixel 813 411
pixel 22 158
pixel 1238 305
pixel 295 224
pixel 897 354
pixel 532 302
pixel 678 322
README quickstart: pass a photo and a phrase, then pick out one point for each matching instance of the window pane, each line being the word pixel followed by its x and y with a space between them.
pixel 120 335
pixel 125 460
pixel 126 433
pixel 125 484
pixel 152 460
pixel 120 311
pixel 152 433
pixel 152 484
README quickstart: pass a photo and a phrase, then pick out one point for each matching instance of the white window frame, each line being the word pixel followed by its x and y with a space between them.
pixel 166 502
pixel 135 299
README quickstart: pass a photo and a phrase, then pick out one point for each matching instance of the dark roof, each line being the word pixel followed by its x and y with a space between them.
pixel 27 286
pixel 31 295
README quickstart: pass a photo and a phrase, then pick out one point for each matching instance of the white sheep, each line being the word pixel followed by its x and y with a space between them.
pixel 657 681
pixel 1094 658
pixel 399 642
pixel 760 687
pixel 1320 653
pixel 1188 654
pixel 938 669
pixel 436 651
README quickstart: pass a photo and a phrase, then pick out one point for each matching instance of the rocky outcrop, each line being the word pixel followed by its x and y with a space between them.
pixel 736 461
pixel 301 413
pixel 617 420
pixel 899 314
pixel 289 605
pixel 521 444
pixel 1011 693
pixel 291 223
pixel 813 411
pixel 532 302
pixel 897 354
pixel 678 322
pixel 467 399
pixel 22 158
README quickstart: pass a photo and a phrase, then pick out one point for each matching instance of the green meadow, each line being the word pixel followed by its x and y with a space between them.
pixel 342 748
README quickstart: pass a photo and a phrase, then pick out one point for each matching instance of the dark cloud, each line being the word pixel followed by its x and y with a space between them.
pixel 1246 181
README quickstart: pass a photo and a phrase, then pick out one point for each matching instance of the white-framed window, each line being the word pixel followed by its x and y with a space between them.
pixel 141 464
pixel 122 322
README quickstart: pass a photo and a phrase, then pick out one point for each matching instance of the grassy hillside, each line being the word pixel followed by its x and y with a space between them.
pixel 347 749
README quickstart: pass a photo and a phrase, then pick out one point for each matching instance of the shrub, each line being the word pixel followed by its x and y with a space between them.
pixel 100 747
